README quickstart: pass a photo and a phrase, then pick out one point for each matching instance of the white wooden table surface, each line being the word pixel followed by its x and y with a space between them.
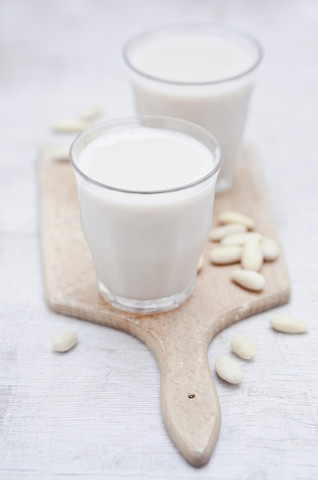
pixel 94 412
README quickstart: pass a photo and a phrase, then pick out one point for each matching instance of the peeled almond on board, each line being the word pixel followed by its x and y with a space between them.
pixel 248 279
pixel 287 324
pixel 218 233
pixel 252 256
pixel 243 346
pixel 235 217
pixel 241 238
pixel 226 255
pixel 270 249
pixel 228 369
pixel 200 263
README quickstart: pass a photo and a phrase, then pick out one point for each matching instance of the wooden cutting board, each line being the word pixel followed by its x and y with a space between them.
pixel 179 339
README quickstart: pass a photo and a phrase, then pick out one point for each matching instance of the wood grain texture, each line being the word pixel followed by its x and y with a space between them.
pixel 179 339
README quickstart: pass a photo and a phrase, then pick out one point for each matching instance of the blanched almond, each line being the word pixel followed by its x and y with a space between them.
pixel 241 238
pixel 248 279
pixel 252 256
pixel 287 324
pixel 64 341
pixel 243 346
pixel 235 217
pixel 69 125
pixel 228 369
pixel 270 249
pixel 219 233
pixel 200 263
pixel 226 255
pixel 89 113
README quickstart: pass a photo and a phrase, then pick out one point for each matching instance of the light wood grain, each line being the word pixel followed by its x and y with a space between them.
pixel 179 339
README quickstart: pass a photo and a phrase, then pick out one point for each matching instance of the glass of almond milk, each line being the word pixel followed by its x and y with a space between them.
pixel 202 73
pixel 146 188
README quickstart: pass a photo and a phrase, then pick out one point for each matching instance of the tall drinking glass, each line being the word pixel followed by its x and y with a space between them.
pixel 146 188
pixel 203 73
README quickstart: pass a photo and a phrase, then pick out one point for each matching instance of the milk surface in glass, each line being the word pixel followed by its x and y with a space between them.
pixel 145 230
pixel 203 74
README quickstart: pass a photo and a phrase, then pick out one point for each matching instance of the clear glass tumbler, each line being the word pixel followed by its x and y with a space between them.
pixel 146 243
pixel 203 73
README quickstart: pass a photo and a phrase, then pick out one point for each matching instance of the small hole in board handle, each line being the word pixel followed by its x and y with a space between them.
pixel 191 395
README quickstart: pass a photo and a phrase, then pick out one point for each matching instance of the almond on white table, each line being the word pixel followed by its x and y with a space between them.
pixel 69 125
pixel 228 369
pixel 64 341
pixel 243 346
pixel 287 324
pixel 90 113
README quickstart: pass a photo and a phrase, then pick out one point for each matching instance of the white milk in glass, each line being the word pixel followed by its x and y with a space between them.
pixel 202 74
pixel 144 221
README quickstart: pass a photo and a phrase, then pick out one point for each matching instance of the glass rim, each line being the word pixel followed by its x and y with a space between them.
pixel 137 121
pixel 181 27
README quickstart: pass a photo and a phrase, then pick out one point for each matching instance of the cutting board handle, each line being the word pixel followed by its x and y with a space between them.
pixel 189 401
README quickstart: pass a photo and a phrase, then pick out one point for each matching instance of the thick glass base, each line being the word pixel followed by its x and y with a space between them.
pixel 144 307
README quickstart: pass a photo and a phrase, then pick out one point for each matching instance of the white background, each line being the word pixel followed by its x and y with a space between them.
pixel 94 412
